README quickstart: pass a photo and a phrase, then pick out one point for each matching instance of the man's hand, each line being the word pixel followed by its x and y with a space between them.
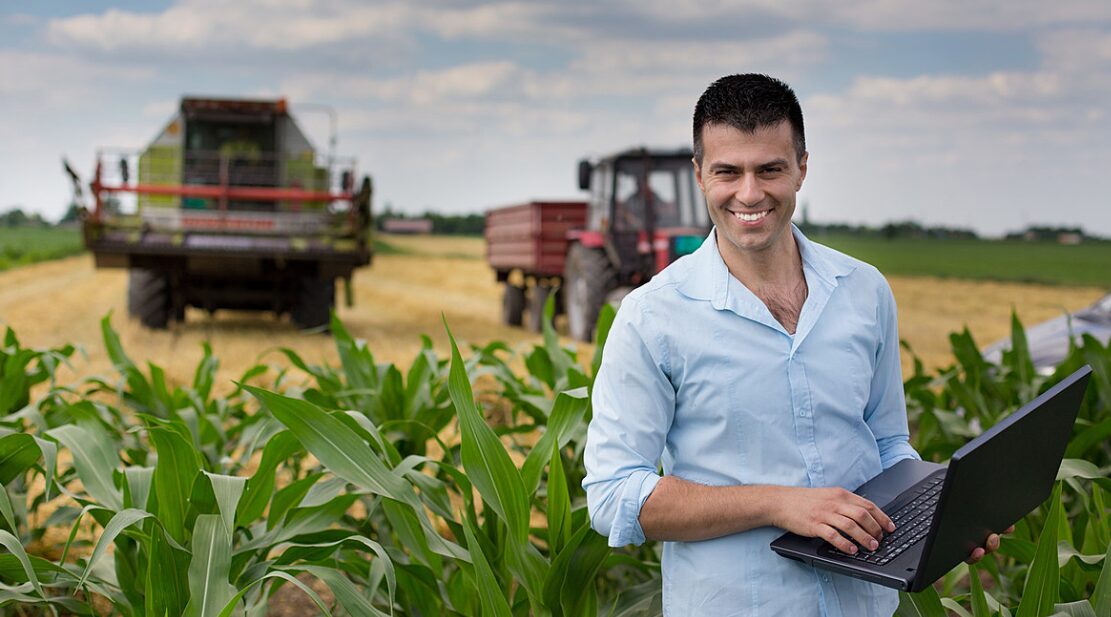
pixel 828 512
pixel 990 546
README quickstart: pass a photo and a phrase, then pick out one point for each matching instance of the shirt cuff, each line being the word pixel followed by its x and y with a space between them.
pixel 895 450
pixel 626 522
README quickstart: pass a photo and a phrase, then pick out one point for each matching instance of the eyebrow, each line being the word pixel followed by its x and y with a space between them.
pixel 720 166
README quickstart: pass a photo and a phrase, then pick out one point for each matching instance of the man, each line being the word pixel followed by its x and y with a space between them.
pixel 763 370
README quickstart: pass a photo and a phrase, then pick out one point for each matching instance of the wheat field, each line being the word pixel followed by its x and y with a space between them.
pixel 406 294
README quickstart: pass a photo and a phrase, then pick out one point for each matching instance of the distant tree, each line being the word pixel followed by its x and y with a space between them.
pixel 72 215
pixel 16 217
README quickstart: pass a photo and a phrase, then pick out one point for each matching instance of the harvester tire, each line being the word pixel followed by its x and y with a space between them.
pixel 536 301
pixel 588 276
pixel 315 300
pixel 148 298
pixel 513 305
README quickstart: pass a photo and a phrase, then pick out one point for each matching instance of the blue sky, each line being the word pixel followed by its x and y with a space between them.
pixel 990 115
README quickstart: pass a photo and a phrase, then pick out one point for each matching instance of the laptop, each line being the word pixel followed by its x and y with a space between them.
pixel 942 513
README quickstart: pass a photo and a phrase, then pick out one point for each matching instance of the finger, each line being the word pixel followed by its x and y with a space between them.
pixel 992 543
pixel 881 517
pixel 864 518
pixel 977 555
pixel 831 535
pixel 1010 529
pixel 856 532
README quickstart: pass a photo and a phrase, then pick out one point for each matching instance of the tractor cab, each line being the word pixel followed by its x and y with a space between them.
pixel 645 207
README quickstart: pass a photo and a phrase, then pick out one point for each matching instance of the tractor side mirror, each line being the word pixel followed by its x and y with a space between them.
pixel 348 180
pixel 585 169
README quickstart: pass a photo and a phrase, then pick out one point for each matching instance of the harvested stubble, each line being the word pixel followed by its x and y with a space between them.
pixel 405 293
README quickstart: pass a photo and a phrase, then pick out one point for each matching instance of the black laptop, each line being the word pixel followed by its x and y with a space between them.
pixel 942 513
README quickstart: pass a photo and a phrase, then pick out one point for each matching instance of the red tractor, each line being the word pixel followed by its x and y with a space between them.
pixel 644 212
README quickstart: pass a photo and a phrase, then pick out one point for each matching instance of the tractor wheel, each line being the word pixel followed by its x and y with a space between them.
pixel 536 302
pixel 512 305
pixel 315 299
pixel 148 297
pixel 587 277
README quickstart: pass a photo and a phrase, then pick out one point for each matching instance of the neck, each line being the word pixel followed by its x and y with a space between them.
pixel 778 265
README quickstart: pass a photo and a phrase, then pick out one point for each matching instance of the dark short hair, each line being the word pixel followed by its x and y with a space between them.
pixel 747 102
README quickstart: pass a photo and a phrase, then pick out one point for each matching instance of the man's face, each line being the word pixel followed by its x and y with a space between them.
pixel 750 181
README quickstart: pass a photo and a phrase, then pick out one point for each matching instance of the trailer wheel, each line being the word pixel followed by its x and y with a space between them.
pixel 513 305
pixel 315 300
pixel 148 297
pixel 536 302
pixel 588 277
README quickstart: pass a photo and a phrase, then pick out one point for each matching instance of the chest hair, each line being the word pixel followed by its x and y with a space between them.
pixel 785 303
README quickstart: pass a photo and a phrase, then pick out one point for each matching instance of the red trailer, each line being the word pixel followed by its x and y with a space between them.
pixel 526 245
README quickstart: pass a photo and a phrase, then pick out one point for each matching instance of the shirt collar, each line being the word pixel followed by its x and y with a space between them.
pixel 708 277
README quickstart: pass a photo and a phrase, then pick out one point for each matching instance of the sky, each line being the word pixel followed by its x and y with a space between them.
pixel 990 115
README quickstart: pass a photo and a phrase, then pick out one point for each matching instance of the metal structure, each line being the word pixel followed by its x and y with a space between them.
pixel 231 207
pixel 644 211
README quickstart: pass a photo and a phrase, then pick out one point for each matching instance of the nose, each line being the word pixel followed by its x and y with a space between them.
pixel 749 192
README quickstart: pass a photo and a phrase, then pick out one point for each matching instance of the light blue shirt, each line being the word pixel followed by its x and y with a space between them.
pixel 698 375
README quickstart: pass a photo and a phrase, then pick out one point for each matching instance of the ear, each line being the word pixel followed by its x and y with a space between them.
pixel 802 170
pixel 698 174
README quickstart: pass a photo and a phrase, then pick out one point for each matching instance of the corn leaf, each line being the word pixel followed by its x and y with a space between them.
pixel 349 597
pixel 1080 608
pixel 18 453
pixel 6 509
pixel 925 603
pixel 976 593
pixel 1043 580
pixel 120 521
pixel 228 491
pixel 568 584
pixel 492 601
pixel 209 589
pixel 484 457
pixel 559 504
pixel 260 487
pixel 95 458
pixel 334 445
pixel 953 606
pixel 567 413
pixel 14 546
pixel 174 475
pixel 1101 595
pixel 601 332
pixel 137 486
pixel 49 451
pixel 229 608
pixel 167 580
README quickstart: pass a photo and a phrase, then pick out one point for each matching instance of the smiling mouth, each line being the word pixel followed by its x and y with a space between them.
pixel 750 217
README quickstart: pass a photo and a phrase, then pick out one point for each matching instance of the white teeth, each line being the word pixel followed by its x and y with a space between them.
pixel 755 216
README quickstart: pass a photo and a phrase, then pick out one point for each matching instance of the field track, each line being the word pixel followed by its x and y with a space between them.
pixel 402 296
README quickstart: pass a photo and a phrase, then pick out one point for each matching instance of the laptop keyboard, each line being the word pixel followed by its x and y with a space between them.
pixel 912 523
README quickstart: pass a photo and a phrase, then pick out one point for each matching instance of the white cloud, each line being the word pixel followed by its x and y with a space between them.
pixel 195 25
pixel 992 15
pixel 56 81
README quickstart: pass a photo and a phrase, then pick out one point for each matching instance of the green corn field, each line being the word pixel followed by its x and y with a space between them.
pixel 447 487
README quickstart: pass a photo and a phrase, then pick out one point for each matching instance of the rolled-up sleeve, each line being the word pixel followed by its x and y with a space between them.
pixel 633 404
pixel 886 410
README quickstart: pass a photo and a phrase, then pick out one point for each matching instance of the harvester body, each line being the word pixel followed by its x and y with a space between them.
pixel 230 207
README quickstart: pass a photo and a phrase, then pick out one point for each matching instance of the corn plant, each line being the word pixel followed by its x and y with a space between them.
pixel 1056 559
pixel 393 490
